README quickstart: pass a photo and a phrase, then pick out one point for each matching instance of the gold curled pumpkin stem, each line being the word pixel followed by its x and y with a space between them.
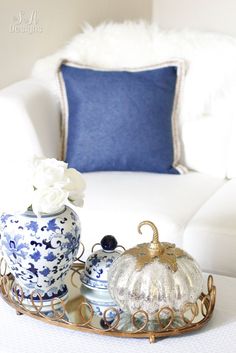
pixel 155 239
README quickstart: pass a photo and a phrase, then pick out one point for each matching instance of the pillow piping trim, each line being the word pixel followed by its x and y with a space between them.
pixel 181 71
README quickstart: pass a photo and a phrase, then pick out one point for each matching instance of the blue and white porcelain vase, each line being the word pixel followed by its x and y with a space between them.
pixel 40 250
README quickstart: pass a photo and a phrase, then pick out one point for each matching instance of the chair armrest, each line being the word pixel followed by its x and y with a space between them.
pixel 30 122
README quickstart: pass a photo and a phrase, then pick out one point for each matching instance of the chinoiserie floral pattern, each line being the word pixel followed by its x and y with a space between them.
pixel 94 267
pixel 110 311
pixel 40 250
pixel 101 303
pixel 97 267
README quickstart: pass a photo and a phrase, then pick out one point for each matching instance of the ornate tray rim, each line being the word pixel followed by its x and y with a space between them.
pixel 206 304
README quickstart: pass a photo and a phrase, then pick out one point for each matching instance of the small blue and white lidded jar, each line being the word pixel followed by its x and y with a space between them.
pixel 94 277
pixel 97 265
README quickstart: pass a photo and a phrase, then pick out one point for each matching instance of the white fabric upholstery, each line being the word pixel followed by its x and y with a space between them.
pixel 206 137
pixel 231 160
pixel 116 202
pixel 22 334
pixel 210 236
pixel 30 119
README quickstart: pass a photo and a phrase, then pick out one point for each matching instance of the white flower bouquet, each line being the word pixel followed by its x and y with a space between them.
pixel 45 186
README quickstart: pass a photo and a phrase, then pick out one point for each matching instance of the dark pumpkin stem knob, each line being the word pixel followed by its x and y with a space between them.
pixel 109 243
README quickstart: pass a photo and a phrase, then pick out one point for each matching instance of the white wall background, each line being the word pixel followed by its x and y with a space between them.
pixel 210 15
pixel 57 21
pixel 54 22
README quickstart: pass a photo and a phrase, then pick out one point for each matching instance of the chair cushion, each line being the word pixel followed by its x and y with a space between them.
pixel 117 201
pixel 211 234
pixel 121 120
pixel 206 139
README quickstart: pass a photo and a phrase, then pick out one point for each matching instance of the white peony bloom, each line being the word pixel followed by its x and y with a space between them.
pixel 75 187
pixel 34 161
pixel 48 172
pixel 49 200
pixel 44 185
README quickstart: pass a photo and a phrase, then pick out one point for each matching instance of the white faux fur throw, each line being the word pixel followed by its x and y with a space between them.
pixel 211 59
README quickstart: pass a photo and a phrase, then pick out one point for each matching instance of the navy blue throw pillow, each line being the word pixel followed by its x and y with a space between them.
pixel 121 120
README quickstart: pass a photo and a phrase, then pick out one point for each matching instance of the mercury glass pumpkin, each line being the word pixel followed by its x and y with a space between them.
pixel 154 275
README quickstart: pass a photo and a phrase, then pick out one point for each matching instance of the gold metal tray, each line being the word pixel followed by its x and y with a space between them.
pixel 78 314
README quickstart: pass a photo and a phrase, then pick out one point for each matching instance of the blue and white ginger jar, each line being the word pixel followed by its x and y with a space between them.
pixel 40 250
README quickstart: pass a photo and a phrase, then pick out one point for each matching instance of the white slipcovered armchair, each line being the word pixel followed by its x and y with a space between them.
pixel 195 210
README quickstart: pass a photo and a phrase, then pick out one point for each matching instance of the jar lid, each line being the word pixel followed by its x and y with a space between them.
pixel 94 275
pixel 145 253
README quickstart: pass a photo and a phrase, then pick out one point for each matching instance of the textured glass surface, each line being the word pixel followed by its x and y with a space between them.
pixel 155 285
